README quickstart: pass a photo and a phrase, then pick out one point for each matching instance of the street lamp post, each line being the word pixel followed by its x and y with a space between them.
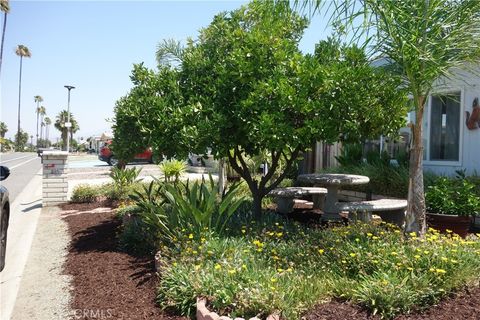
pixel 68 125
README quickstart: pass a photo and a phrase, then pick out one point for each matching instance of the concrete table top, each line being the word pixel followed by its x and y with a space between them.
pixel 333 179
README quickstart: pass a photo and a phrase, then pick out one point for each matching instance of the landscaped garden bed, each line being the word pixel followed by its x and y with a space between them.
pixel 107 278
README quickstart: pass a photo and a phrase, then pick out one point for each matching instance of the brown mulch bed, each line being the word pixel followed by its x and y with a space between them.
pixel 106 281
pixel 112 283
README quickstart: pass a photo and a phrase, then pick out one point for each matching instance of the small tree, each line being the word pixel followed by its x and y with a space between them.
pixel 21 139
pixel 244 89
pixel 3 129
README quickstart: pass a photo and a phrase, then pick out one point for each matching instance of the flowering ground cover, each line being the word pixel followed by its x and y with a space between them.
pixel 276 266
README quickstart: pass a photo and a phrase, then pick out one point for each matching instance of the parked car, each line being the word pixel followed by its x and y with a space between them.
pixel 107 155
pixel 4 216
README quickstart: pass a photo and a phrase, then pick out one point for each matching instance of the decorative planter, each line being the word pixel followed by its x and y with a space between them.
pixel 458 224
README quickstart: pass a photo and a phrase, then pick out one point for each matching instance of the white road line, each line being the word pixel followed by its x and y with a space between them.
pixel 2 162
pixel 18 165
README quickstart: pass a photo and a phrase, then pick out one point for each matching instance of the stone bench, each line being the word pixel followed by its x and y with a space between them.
pixel 284 197
pixel 390 210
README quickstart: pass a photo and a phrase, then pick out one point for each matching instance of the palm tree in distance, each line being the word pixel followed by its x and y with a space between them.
pixel 21 51
pixel 48 122
pixel 5 8
pixel 3 129
pixel 38 99
pixel 62 117
pixel 42 113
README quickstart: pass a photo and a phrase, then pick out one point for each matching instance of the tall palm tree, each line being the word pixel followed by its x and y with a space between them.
pixel 21 51
pixel 5 8
pixel 3 129
pixel 42 113
pixel 62 117
pixel 425 40
pixel 48 122
pixel 38 99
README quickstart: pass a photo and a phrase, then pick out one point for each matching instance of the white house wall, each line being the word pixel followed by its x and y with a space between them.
pixel 469 84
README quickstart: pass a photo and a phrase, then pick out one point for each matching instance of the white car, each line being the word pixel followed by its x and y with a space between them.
pixel 4 216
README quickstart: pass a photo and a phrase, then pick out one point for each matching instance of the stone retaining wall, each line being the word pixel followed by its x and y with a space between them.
pixel 55 181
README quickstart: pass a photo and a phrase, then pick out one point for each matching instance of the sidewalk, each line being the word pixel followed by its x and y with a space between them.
pixel 44 292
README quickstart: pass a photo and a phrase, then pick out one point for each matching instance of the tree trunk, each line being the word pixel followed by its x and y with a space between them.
pixel 415 217
pixel 19 94
pixel 257 205
pixel 221 176
pixel 3 38
pixel 37 124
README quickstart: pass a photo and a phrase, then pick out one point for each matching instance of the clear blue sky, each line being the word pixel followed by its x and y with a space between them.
pixel 92 45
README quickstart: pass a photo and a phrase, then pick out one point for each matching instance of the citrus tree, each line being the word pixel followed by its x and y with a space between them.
pixel 244 89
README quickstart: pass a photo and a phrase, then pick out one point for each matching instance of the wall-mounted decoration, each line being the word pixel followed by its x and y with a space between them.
pixel 473 120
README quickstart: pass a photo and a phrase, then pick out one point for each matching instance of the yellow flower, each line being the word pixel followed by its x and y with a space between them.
pixel 357 240
pixel 194 251
pixel 217 267
pixel 454 261
pixel 321 251
pixel 410 268
pixel 375 261
pixel 280 270
pixel 416 256
pixel 190 236
pixel 243 231
pixel 289 270
pixel 413 234
pixel 384 282
pixel 271 233
pixel 441 271
pixel 344 261
pixel 394 253
pixel 444 259
pixel 353 255
pixel 279 234
pixel 369 234
pixel 232 271
pixel 210 252
pixel 273 288
pixel 431 270
pixel 426 252
pixel 448 231
pixel 375 238
pixel 273 280
pixel 244 266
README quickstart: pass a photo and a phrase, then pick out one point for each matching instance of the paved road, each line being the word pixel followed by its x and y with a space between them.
pixel 25 187
pixel 23 167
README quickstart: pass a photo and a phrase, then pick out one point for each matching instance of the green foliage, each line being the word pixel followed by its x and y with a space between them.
pixel 352 154
pixel 456 196
pixel 199 208
pixel 169 211
pixel 173 169
pixel 21 139
pixel 85 193
pixel 386 180
pixel 245 90
pixel 267 266
pixel 123 179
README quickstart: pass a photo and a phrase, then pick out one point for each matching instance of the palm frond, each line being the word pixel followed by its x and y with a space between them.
pixel 169 51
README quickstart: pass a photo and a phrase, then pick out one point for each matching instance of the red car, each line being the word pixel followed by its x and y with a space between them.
pixel 107 155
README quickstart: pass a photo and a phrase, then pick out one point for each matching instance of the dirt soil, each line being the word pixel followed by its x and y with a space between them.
pixel 112 284
pixel 108 283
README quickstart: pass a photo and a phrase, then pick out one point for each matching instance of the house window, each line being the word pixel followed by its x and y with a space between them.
pixel 445 127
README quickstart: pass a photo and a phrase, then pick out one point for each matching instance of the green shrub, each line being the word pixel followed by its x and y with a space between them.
pixel 135 236
pixel 266 267
pixel 85 193
pixel 457 196
pixel 173 169
pixel 123 179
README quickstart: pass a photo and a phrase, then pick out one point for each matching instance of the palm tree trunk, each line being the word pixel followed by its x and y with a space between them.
pixel 415 217
pixel 19 94
pixel 3 38
pixel 37 124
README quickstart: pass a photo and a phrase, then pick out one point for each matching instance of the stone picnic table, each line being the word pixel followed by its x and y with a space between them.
pixel 332 182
